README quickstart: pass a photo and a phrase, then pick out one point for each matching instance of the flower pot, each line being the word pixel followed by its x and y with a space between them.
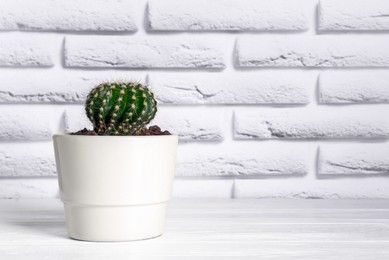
pixel 115 188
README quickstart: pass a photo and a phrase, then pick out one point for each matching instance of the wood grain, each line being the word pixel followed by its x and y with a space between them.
pixel 212 229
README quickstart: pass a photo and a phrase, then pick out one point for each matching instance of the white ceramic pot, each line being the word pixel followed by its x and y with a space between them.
pixel 115 188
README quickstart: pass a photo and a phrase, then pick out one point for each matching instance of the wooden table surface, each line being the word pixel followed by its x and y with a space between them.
pixel 212 229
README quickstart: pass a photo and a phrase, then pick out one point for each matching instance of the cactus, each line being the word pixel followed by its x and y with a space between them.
pixel 120 108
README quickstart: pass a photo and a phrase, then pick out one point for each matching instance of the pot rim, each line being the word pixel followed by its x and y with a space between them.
pixel 116 136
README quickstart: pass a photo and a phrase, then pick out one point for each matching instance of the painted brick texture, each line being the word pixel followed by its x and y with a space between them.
pixel 25 123
pixel 243 160
pixel 176 15
pixel 281 123
pixel 25 51
pixel 354 159
pixel 23 159
pixel 269 98
pixel 126 52
pixel 70 15
pixel 317 51
pixel 353 15
pixel 242 88
pixel 354 87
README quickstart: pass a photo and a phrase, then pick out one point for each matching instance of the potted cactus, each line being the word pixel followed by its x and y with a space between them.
pixel 115 180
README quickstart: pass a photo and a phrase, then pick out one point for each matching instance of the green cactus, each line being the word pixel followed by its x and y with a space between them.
pixel 120 108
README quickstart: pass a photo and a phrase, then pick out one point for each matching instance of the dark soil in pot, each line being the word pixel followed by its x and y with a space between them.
pixel 152 130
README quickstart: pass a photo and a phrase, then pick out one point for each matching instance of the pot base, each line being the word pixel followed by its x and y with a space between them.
pixel 115 223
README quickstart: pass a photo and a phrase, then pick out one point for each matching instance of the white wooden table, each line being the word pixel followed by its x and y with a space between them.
pixel 212 229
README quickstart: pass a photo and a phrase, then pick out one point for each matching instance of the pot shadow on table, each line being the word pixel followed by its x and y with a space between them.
pixel 46 219
pixel 50 228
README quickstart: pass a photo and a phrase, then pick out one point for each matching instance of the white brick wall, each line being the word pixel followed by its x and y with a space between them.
pixel 243 160
pixel 229 15
pixel 27 159
pixel 270 98
pixel 310 124
pixel 25 51
pixel 355 15
pixel 25 123
pixel 69 15
pixel 354 87
pixel 243 88
pixel 354 159
pixel 153 52
pixel 313 51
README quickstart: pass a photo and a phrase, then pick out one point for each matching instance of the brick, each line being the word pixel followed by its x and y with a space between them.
pixel 25 123
pixel 348 15
pixel 313 51
pixel 153 52
pixel 37 86
pixel 75 119
pixel 189 124
pixel 311 124
pixel 262 15
pixel 354 87
pixel 226 88
pixel 306 188
pixel 70 15
pixel 243 159
pixel 221 189
pixel 29 188
pixel 364 159
pixel 27 160
pixel 25 51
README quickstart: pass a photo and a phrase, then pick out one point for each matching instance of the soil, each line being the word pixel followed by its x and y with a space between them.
pixel 152 130
pixel 84 132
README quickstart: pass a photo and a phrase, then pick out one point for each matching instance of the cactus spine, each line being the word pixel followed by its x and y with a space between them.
pixel 120 108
